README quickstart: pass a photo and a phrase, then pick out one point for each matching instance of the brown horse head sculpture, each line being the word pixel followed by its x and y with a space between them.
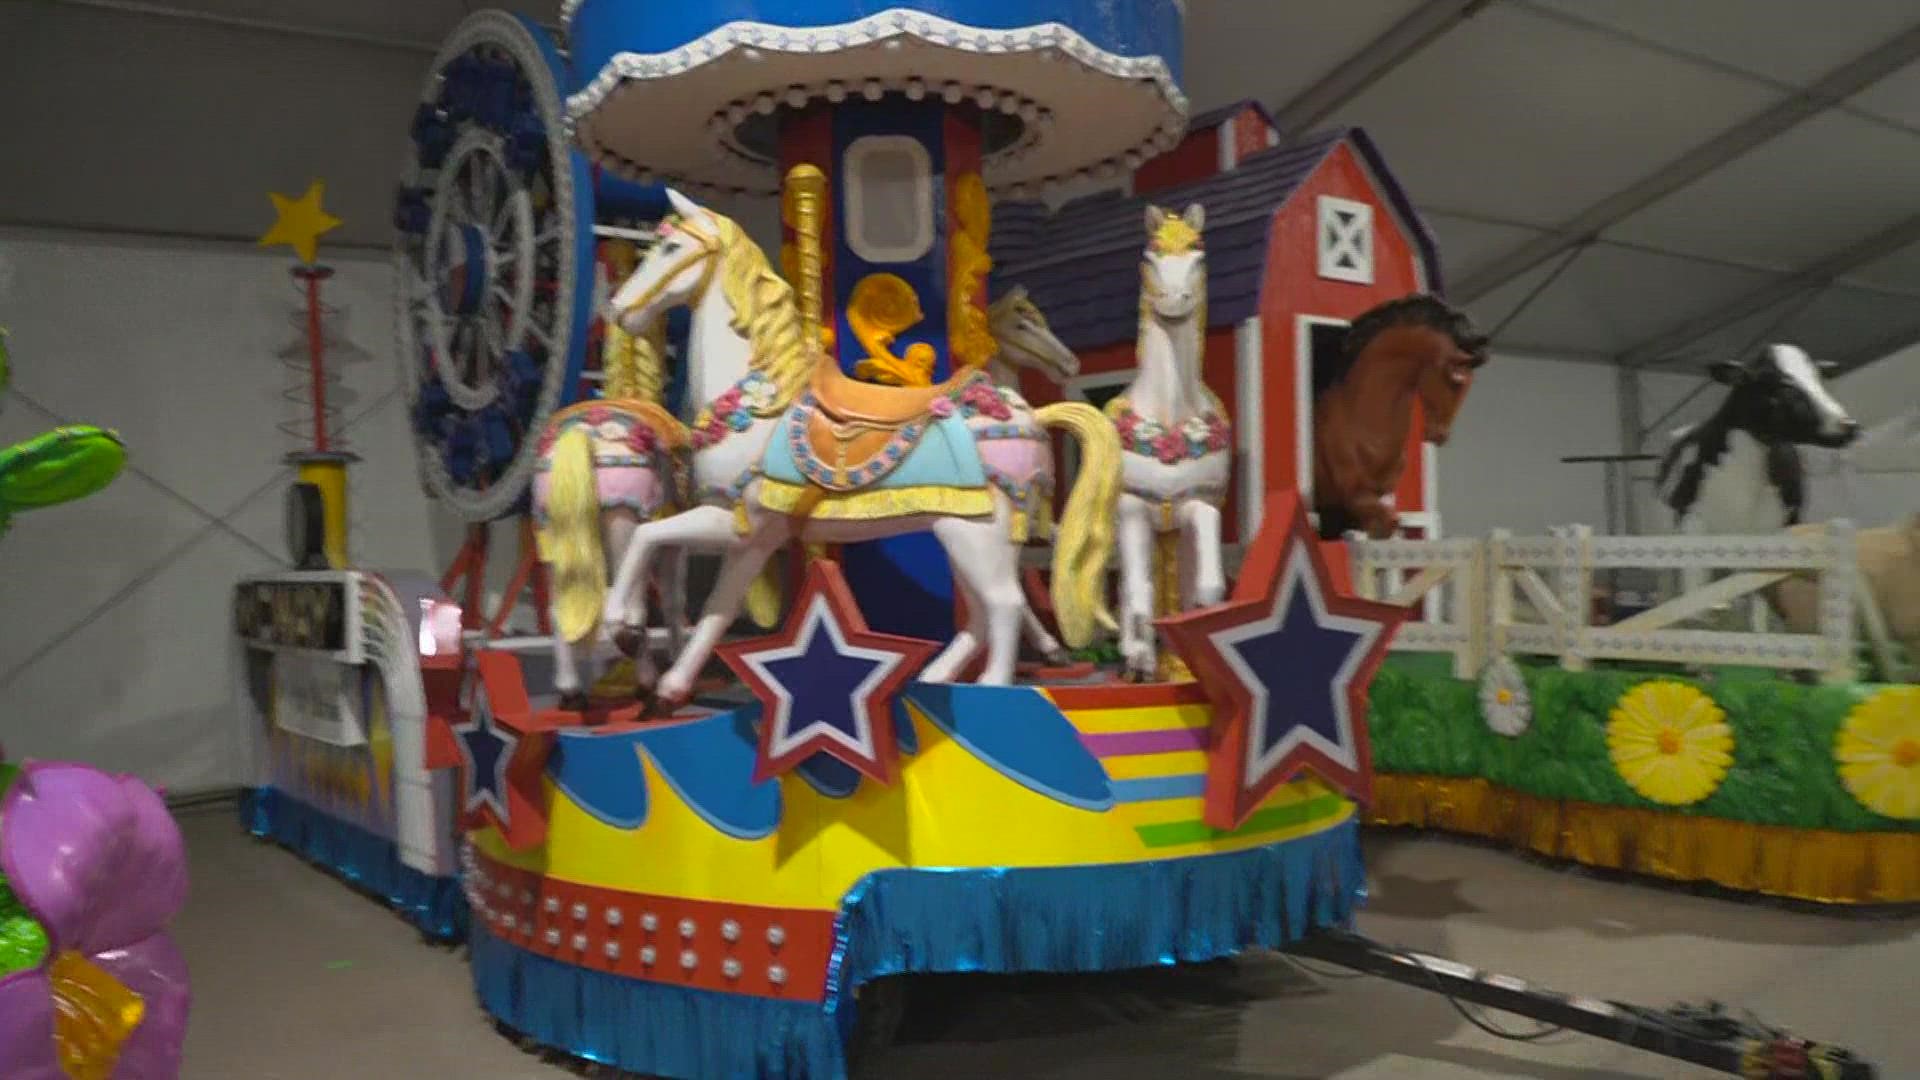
pixel 1412 350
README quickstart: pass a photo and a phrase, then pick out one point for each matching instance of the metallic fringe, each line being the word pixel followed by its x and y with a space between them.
pixel 651 1028
pixel 875 505
pixel 1107 917
pixel 368 862
pixel 1063 919
pixel 1803 864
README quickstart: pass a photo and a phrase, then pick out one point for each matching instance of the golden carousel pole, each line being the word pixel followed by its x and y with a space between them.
pixel 802 202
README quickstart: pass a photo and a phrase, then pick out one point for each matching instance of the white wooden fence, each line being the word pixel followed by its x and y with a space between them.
pixel 1533 595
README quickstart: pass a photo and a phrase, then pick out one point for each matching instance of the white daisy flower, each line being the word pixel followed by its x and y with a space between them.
pixel 1504 700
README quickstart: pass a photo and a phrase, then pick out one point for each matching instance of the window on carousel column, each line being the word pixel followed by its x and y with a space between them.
pixel 889 198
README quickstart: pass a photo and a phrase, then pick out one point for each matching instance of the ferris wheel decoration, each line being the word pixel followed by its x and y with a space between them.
pixel 495 262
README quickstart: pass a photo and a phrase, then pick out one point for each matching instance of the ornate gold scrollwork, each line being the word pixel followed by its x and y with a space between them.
pixel 969 342
pixel 881 307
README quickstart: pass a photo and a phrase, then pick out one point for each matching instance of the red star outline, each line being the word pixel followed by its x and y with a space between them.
pixel 824 580
pixel 1231 796
pixel 525 824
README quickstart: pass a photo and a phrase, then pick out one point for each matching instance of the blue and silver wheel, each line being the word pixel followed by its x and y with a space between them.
pixel 494 260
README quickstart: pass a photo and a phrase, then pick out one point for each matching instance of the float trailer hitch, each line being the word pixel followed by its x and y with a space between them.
pixel 1704 1035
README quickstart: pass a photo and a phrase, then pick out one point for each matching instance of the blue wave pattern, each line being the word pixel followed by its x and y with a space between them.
pixel 1022 735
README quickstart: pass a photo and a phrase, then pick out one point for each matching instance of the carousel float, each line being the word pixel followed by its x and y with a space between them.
pixel 677 874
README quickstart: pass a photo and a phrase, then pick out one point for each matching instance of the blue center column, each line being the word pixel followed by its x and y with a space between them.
pixel 894 165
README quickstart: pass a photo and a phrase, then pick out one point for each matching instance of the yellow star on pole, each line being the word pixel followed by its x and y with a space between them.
pixel 301 222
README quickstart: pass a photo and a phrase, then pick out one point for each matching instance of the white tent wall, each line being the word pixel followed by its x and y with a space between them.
pixel 1501 468
pixel 114 611
pixel 1887 486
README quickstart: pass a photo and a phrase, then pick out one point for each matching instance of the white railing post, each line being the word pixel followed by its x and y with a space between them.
pixel 1469 607
pixel 1365 571
pixel 1837 584
pixel 1497 605
pixel 1576 594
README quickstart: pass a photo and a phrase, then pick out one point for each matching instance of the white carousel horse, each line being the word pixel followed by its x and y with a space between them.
pixel 1176 444
pixel 1024 341
pixel 605 466
pixel 910 459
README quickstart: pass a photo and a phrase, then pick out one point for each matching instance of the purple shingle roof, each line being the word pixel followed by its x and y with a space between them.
pixel 1080 263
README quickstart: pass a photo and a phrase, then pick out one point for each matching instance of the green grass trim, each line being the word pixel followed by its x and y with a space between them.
pixel 1424 721
pixel 1172 833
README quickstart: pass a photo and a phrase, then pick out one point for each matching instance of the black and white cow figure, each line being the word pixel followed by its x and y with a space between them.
pixel 1739 473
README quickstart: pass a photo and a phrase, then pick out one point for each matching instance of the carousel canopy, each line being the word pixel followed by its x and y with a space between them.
pixel 689 93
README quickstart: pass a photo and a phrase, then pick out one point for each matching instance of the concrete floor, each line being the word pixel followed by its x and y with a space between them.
pixel 296 977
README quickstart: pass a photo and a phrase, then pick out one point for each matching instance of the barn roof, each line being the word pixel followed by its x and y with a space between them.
pixel 1079 263
pixel 1213 117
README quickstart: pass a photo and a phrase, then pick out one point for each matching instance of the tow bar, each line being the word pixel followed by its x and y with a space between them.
pixel 1706 1035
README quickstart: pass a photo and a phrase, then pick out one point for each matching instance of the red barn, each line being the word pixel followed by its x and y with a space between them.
pixel 1300 238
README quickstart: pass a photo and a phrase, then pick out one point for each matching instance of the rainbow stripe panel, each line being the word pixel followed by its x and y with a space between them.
pixel 1152 742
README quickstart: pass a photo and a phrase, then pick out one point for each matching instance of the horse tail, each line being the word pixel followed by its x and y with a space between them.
pixel 1084 544
pixel 764 596
pixel 572 540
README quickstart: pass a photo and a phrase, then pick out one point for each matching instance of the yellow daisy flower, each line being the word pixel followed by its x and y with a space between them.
pixel 1878 751
pixel 1670 742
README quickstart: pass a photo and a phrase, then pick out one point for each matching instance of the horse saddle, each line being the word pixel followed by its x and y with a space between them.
pixel 849 400
pixel 846 434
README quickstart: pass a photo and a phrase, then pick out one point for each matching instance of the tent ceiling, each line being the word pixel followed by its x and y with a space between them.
pixel 1519 116
pixel 1715 201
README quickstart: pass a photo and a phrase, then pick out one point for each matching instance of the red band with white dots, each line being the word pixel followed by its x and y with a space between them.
pixel 769 952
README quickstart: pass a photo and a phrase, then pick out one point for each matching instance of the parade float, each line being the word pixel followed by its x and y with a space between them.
pixel 1700 740
pixel 726 866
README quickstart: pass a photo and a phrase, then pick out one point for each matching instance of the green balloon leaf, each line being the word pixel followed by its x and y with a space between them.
pixel 57 467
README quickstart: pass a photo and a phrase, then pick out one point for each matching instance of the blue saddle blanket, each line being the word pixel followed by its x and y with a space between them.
pixel 936 453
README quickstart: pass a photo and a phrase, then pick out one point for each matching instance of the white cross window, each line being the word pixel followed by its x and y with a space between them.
pixel 1345 240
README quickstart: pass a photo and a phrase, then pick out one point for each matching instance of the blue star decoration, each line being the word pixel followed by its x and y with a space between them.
pixel 1286 663
pixel 826 683
pixel 485 750
pixel 499 746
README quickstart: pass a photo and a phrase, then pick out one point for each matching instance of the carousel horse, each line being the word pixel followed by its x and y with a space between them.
pixel 604 467
pixel 1177 445
pixel 1412 350
pixel 787 447
pixel 1022 339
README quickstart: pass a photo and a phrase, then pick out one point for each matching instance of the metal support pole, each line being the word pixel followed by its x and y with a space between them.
pixel 1632 442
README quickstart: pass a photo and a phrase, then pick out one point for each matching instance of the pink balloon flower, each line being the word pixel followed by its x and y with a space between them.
pixel 99 863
